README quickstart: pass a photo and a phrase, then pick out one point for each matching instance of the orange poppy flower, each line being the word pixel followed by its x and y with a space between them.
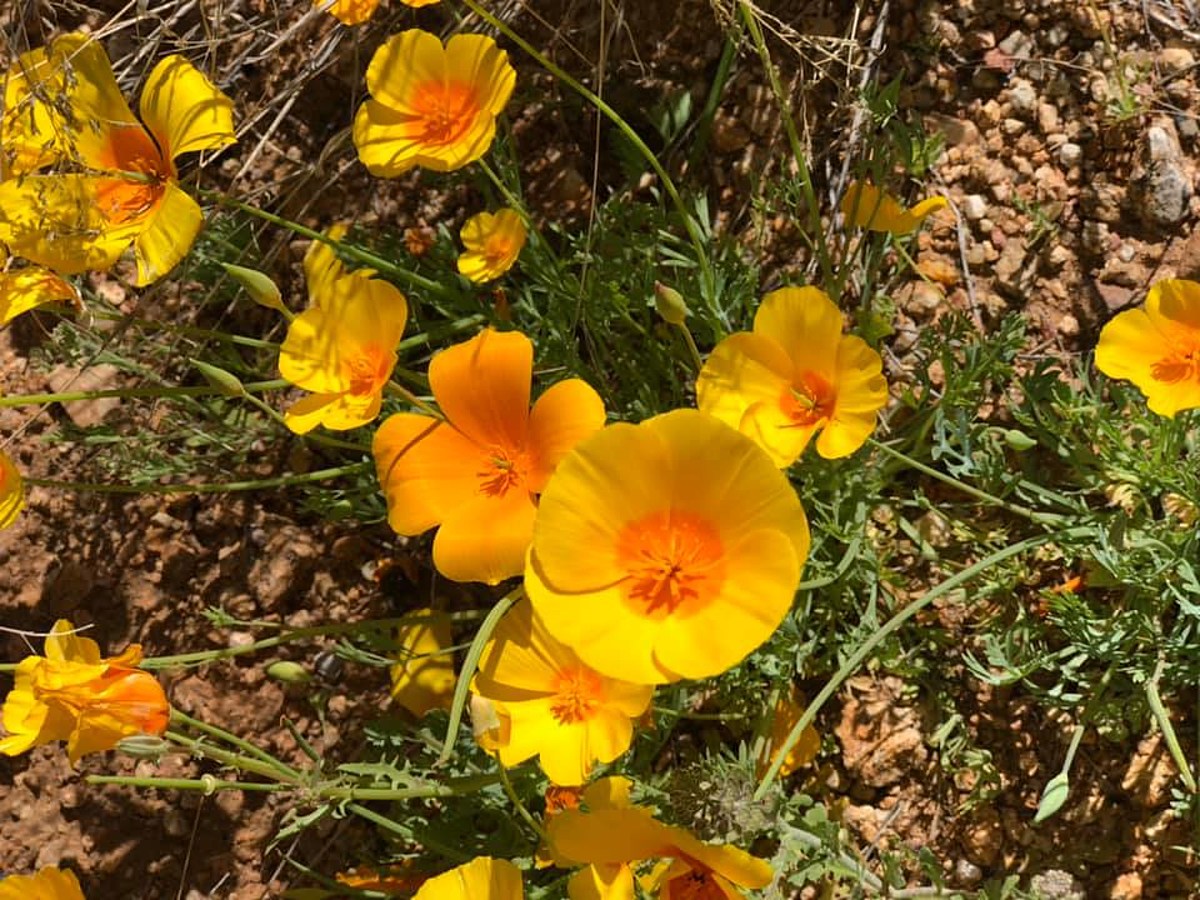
pixel 63 109
pixel 47 884
pixel 355 12
pixel 552 705
pixel 431 105
pixel 1157 347
pixel 12 492
pixel 666 550
pixel 866 206
pixel 73 695
pixel 29 287
pixel 477 474
pixel 493 242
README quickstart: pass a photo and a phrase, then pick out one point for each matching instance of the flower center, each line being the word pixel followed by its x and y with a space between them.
pixel 674 560
pixel 506 469
pixel 577 693
pixel 1179 366
pixel 369 371
pixel 809 400
pixel 696 885
pixel 447 111
pixel 498 249
pixel 130 197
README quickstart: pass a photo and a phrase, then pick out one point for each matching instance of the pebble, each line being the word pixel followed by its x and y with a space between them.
pixel 1173 60
pixel 1047 115
pixel 1012 127
pixel 1070 154
pixel 1165 187
pixel 1022 97
pixel 974 207
pixel 1018 45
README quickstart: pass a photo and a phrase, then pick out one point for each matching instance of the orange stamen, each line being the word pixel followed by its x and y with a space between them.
pixel 809 400
pixel 506 470
pixel 447 111
pixel 673 559
pixel 577 693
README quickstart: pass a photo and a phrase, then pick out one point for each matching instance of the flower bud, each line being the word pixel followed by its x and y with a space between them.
pixel 289 672
pixel 1018 440
pixel 225 382
pixel 260 287
pixel 670 304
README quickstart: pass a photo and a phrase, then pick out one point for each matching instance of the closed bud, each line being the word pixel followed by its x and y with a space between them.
pixel 670 304
pixel 260 287
pixel 225 382
pixel 289 672
pixel 143 746
pixel 1018 440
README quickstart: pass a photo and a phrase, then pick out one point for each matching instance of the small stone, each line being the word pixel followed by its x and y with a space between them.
pixel 974 207
pixel 1018 45
pixel 967 874
pixel 983 838
pixel 1055 884
pixel 1056 35
pixel 1070 154
pixel 1128 886
pixel 1164 187
pixel 1012 127
pixel 1174 60
pixel 1022 97
pixel 1095 238
pixel 1047 116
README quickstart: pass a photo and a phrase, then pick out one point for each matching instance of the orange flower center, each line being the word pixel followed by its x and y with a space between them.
pixel 560 798
pixel 369 371
pixel 498 249
pixel 577 693
pixel 1179 366
pixel 696 885
pixel 447 111
pixel 809 400
pixel 506 469
pixel 130 149
pixel 674 560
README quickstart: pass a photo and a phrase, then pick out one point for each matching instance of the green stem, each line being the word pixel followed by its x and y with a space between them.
pixel 894 624
pixel 451 787
pixel 206 784
pixel 692 348
pixel 133 393
pixel 227 487
pixel 185 330
pixel 245 746
pixel 789 125
pixel 204 750
pixel 689 223
pixel 1163 718
pixel 378 263
pixel 1051 519
pixel 399 390
pixel 516 801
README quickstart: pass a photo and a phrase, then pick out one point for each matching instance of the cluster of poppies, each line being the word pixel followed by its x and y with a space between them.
pixel 649 552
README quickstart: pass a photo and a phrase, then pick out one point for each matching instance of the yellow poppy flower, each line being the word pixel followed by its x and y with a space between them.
pixel 609 837
pixel 866 206
pixel 493 242
pixel 476 474
pixel 355 12
pixel 556 707
pixel 483 878
pixel 423 679
pixel 795 375
pixel 73 695
pixel 788 711
pixel 1157 347
pixel 12 492
pixel 29 287
pixel 666 550
pixel 115 180
pixel 343 347
pixel 46 884
pixel 431 105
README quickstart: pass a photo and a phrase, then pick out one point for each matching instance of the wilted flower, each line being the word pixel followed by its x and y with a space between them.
pixel 46 884
pixel 423 679
pixel 343 347
pixel 431 105
pixel 795 375
pixel 12 491
pixel 115 181
pixel 555 706
pixel 1157 347
pixel 29 287
pixel 390 879
pixel 493 242
pixel 73 695
pixel 483 878
pixel 477 473
pixel 666 550
pixel 866 206
pixel 612 833
pixel 355 12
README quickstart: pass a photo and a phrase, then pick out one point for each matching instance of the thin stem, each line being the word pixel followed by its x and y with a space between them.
pixel 1039 518
pixel 689 223
pixel 166 393
pixel 206 784
pixel 516 801
pixel 1163 718
pixel 235 760
pixel 890 627
pixel 357 253
pixel 245 746
pixel 185 330
pixel 789 124
pixel 692 348
pixel 227 487
pixel 399 390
